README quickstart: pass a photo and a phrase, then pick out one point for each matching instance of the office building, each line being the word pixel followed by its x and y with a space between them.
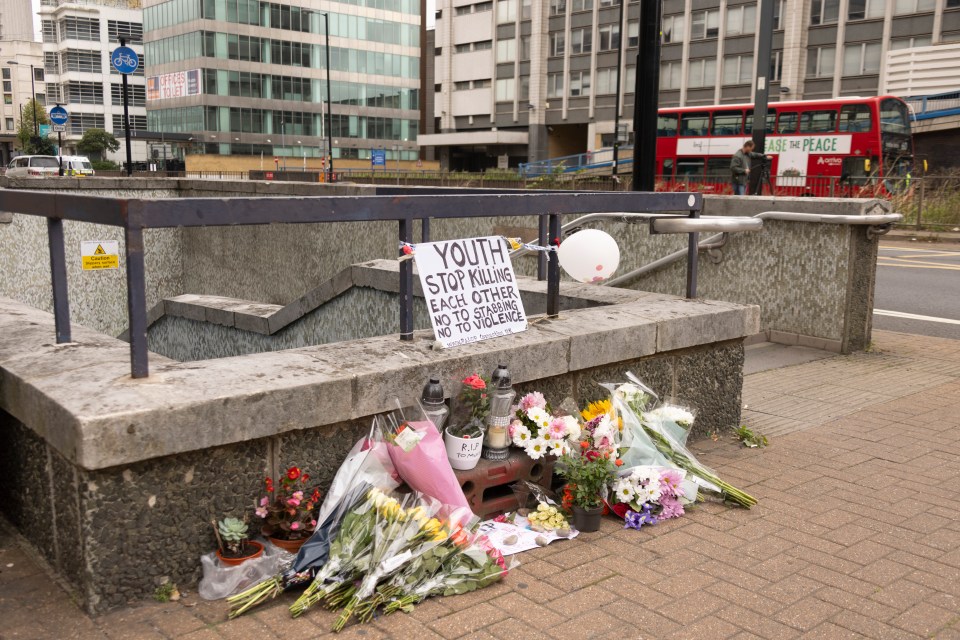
pixel 78 36
pixel 249 77
pixel 17 58
pixel 520 80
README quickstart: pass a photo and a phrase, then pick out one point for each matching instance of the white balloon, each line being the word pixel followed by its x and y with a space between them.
pixel 589 255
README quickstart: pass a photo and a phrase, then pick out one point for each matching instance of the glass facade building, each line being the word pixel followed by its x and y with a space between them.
pixel 263 75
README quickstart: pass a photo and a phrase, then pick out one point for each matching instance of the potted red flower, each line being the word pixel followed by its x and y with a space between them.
pixel 289 509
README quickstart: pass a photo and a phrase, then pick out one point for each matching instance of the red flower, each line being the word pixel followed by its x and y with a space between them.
pixel 592 455
pixel 306 477
pixel 293 473
pixel 475 382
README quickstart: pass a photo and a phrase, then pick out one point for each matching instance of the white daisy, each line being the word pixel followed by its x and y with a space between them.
pixel 624 490
pixel 573 427
pixel 521 435
pixel 536 448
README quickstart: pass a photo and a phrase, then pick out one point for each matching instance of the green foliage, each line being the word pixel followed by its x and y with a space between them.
pixel 586 478
pixel 104 165
pixel 96 142
pixel 30 143
pixel 164 592
pixel 750 439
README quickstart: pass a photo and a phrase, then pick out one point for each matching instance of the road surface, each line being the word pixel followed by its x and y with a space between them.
pixel 918 290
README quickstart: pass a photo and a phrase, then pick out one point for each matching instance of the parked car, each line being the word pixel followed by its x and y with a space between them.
pixel 33 167
pixel 77 166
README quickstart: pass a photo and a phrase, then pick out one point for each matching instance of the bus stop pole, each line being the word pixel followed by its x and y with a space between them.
pixel 761 94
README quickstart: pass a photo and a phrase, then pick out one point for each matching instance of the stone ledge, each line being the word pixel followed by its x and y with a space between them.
pixel 6 217
pixel 80 397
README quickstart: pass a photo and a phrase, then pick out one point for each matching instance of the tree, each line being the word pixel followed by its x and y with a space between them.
pixel 30 142
pixel 95 141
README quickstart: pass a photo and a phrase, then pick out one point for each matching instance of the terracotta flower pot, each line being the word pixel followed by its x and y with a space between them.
pixel 232 562
pixel 290 546
pixel 587 520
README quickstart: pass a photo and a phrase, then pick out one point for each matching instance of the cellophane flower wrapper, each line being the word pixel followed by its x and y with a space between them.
pixel 426 467
pixel 652 445
pixel 629 400
pixel 674 417
pixel 404 529
pixel 367 466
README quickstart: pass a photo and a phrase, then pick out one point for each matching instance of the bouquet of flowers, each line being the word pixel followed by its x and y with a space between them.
pixel 289 510
pixel 648 494
pixel 672 419
pixel 647 442
pixel 540 433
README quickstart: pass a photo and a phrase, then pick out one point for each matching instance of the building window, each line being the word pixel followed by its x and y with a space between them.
pixel 7 98
pixel 49 28
pixel 438 52
pixel 579 83
pixel 738 69
pixel 581 5
pixel 526 9
pixel 776 66
pixel 84 92
pixel 825 12
pixel 55 92
pixel 703 73
pixel 506 50
pixel 10 125
pixel 137 123
pixel 609 36
pixel 6 73
pixel 481 84
pixel 80 122
pixel 901 7
pixel 463 85
pixel 462 48
pixel 670 75
pixel 524 88
pixel 558 7
pixel 524 47
pixel 38 74
pixel 705 24
pixel 554 85
pixel 778 7
pixel 953 4
pixel 741 20
pixel 606 81
pixel 483 6
pixel 633 34
pixel 909 43
pixel 865 9
pixel 607 3
pixel 820 62
pixel 463 11
pixel 483 45
pixel 581 40
pixel 672 29
pixel 506 89
pixel 557 43
pixel 73 28
pixel 8 85
pixel 80 60
pixel 862 58
pixel 51 62
pixel 506 11
pixel 132 32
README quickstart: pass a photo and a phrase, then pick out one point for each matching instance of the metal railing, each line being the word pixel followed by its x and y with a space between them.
pixel 403 206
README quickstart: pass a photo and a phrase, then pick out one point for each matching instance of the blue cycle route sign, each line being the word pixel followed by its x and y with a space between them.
pixel 125 60
pixel 378 158
pixel 59 115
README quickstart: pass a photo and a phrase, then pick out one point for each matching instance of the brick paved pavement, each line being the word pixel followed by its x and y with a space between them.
pixel 856 536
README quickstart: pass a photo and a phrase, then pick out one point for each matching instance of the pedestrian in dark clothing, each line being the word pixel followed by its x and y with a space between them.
pixel 740 167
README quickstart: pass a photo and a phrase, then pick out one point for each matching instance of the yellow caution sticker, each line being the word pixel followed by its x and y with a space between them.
pixel 100 254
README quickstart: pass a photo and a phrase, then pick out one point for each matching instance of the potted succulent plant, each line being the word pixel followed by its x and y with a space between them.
pixel 234 545
pixel 289 509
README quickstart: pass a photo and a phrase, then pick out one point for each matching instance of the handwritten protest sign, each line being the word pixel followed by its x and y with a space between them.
pixel 470 289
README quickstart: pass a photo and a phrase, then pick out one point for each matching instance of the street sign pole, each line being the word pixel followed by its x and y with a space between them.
pixel 126 61
pixel 60 150
pixel 59 117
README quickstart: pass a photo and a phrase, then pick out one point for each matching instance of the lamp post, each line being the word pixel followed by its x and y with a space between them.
pixel 616 112
pixel 326 22
pixel 283 145
pixel 33 94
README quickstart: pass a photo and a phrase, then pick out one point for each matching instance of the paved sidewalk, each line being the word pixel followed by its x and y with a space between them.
pixel 856 536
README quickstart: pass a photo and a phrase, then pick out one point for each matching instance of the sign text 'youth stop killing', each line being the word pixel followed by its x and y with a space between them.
pixel 470 289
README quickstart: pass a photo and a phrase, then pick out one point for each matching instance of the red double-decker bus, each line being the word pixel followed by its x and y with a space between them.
pixel 841 147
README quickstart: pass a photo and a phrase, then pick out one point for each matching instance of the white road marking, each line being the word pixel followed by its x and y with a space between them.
pixel 913 316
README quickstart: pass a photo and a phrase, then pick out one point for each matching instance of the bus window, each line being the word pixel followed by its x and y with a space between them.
pixel 818 122
pixel 771 121
pixel 718 169
pixel 855 171
pixel 727 123
pixel 694 124
pixel 894 117
pixel 855 117
pixel 788 123
pixel 667 169
pixel 690 169
pixel 666 125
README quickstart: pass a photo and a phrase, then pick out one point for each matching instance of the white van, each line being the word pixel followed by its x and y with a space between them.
pixel 77 166
pixel 33 167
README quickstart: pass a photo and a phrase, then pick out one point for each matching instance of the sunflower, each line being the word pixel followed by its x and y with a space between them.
pixel 598 409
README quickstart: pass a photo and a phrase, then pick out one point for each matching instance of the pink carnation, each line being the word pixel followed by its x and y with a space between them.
pixel 533 399
pixel 670 483
pixel 671 508
pixel 558 429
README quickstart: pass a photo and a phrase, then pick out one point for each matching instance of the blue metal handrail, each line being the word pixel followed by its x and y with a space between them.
pixel 596 159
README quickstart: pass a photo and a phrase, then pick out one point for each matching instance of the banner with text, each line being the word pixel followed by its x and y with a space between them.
pixel 470 289
pixel 178 84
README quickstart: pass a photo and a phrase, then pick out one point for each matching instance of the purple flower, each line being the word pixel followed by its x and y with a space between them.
pixel 670 508
pixel 670 481
pixel 636 519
